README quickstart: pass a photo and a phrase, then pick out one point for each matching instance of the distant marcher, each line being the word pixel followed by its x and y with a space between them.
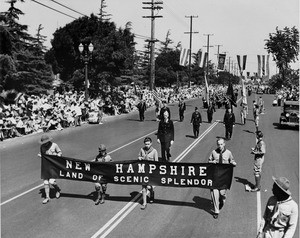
pixel 101 184
pixel 244 112
pixel 259 157
pixel 142 108
pixel 256 116
pixel 196 121
pixel 150 154
pixel 281 213
pixel 49 148
pixel 229 122
pixel 165 136
pixel 220 155
pixel 210 112
pixel 182 108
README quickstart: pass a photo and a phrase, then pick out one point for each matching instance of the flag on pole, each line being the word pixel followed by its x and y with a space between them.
pixel 184 55
pixel 242 65
pixel 156 97
pixel 202 58
pixel 263 65
pixel 221 61
pixel 268 67
pixel 230 95
pixel 206 89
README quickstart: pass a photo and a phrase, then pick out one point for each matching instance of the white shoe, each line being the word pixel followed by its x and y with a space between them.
pixel 46 200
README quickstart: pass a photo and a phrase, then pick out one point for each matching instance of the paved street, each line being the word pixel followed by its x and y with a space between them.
pixel 176 212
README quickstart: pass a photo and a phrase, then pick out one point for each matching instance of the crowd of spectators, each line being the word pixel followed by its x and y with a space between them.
pixel 41 113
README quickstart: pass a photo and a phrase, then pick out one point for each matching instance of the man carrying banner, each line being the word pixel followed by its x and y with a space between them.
pixel 165 136
pixel 147 153
pixel 101 184
pixel 196 121
pixel 223 156
pixel 182 108
pixel 49 148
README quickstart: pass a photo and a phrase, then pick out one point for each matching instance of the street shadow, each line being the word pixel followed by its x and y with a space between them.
pixel 244 181
pixel 189 136
pixel 252 132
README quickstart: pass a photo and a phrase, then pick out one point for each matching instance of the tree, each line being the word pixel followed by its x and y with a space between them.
pixel 23 65
pixel 284 45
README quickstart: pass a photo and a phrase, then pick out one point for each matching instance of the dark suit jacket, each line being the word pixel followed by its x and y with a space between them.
pixel 165 131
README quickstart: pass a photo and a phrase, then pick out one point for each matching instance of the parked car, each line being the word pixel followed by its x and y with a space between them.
pixel 290 114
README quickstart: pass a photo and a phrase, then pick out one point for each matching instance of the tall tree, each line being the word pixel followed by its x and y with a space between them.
pixel 25 69
pixel 284 45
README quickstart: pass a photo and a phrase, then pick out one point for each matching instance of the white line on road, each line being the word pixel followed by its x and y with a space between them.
pixel 114 221
pixel 15 197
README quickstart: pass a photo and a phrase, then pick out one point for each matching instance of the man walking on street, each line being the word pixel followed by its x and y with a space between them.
pixel 182 108
pixel 101 184
pixel 220 155
pixel 229 122
pixel 165 136
pixel 196 121
pixel 259 156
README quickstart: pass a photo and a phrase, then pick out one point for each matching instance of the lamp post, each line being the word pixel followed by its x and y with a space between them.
pixel 86 55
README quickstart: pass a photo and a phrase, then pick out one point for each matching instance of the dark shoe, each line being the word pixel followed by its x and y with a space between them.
pixel 221 205
pixel 97 201
pixel 215 216
pixel 143 207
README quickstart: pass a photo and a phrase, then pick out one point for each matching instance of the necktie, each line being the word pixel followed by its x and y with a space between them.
pixel 221 157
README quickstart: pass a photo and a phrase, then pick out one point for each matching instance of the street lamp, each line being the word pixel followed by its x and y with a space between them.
pixel 86 55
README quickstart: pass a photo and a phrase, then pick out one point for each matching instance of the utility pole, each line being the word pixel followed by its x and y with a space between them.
pixel 207 46
pixel 153 6
pixel 190 56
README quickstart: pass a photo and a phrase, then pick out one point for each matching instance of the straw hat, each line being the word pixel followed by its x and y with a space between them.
pixel 283 183
pixel 44 139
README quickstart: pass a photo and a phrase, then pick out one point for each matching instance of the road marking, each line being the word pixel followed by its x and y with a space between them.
pixel 114 221
pixel 13 198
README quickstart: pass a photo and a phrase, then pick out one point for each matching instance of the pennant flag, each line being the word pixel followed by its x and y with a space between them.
pixel 268 67
pixel 242 65
pixel 263 65
pixel 202 58
pixel 134 172
pixel 221 61
pixel 231 95
pixel 184 56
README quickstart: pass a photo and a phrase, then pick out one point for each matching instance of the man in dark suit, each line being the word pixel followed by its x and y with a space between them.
pixel 229 122
pixel 142 108
pixel 182 108
pixel 196 121
pixel 165 136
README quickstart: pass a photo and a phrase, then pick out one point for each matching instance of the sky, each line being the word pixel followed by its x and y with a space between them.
pixel 240 27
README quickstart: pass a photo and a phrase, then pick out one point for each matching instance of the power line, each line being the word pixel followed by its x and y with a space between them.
pixel 68 7
pixel 53 9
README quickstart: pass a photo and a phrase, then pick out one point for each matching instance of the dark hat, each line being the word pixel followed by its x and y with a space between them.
pixel 196 108
pixel 44 139
pixel 102 147
pixel 283 183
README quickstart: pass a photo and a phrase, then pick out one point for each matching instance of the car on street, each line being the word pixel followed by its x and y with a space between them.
pixel 290 114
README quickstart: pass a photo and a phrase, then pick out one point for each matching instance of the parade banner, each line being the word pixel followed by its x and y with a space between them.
pixel 258 66
pixel 221 61
pixel 202 59
pixel 242 65
pixel 204 175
